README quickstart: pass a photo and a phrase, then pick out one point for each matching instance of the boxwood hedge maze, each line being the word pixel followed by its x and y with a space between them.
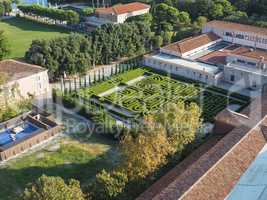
pixel 139 92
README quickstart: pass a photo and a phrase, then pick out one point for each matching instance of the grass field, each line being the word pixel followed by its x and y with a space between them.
pixel 151 93
pixel 71 156
pixel 68 158
pixel 20 33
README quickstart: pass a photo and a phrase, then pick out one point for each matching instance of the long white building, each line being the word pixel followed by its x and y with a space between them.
pixel 225 52
pixel 117 14
pixel 246 35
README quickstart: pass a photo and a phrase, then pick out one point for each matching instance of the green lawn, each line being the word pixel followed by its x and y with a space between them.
pixel 20 33
pixel 115 81
pixel 70 157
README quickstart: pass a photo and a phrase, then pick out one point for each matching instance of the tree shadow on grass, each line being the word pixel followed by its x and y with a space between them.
pixel 13 181
pixel 31 25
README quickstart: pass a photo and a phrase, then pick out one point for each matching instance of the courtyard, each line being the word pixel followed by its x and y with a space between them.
pixel 141 91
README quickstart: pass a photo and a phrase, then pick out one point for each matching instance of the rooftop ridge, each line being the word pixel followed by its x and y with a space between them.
pixel 191 43
pixel 124 8
pixel 238 26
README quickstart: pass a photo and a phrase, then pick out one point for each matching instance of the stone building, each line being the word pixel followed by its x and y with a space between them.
pixel 225 52
pixel 117 14
pixel 30 80
pixel 245 35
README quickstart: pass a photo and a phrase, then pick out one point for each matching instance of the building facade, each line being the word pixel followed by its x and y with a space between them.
pixel 202 72
pixel 228 52
pixel 241 34
pixel 117 14
pixel 29 80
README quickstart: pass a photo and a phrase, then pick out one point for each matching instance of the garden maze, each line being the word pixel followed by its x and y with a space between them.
pixel 153 91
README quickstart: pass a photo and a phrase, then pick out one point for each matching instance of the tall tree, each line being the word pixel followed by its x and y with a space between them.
pixel 48 188
pixel 145 152
pixel 181 123
pixel 107 185
pixel 165 17
pixel 4 46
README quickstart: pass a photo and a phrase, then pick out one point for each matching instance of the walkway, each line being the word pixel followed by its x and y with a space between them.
pixel 120 88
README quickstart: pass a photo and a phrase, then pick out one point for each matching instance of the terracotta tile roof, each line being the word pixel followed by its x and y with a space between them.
pixel 237 27
pixel 219 57
pixel 251 53
pixel 239 150
pixel 191 43
pixel 216 57
pixel 16 70
pixel 122 9
pixel 213 175
pixel 178 170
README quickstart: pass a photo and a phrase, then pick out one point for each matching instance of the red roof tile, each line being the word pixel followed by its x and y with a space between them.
pixel 212 175
pixel 237 27
pixel 251 53
pixel 191 43
pixel 122 9
pixel 216 57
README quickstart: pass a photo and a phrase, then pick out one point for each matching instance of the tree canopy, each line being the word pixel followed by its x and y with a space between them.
pixel 107 185
pixel 5 7
pixel 144 153
pixel 4 46
pixel 180 122
pixel 47 188
pixel 77 53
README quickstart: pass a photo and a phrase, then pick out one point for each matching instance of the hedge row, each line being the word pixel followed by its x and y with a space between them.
pixel 69 16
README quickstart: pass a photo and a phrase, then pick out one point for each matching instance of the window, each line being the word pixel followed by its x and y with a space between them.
pixel 240 61
pixel 240 36
pixel 251 63
pixel 229 34
pixel 232 78
pixel 200 76
pixel 254 84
